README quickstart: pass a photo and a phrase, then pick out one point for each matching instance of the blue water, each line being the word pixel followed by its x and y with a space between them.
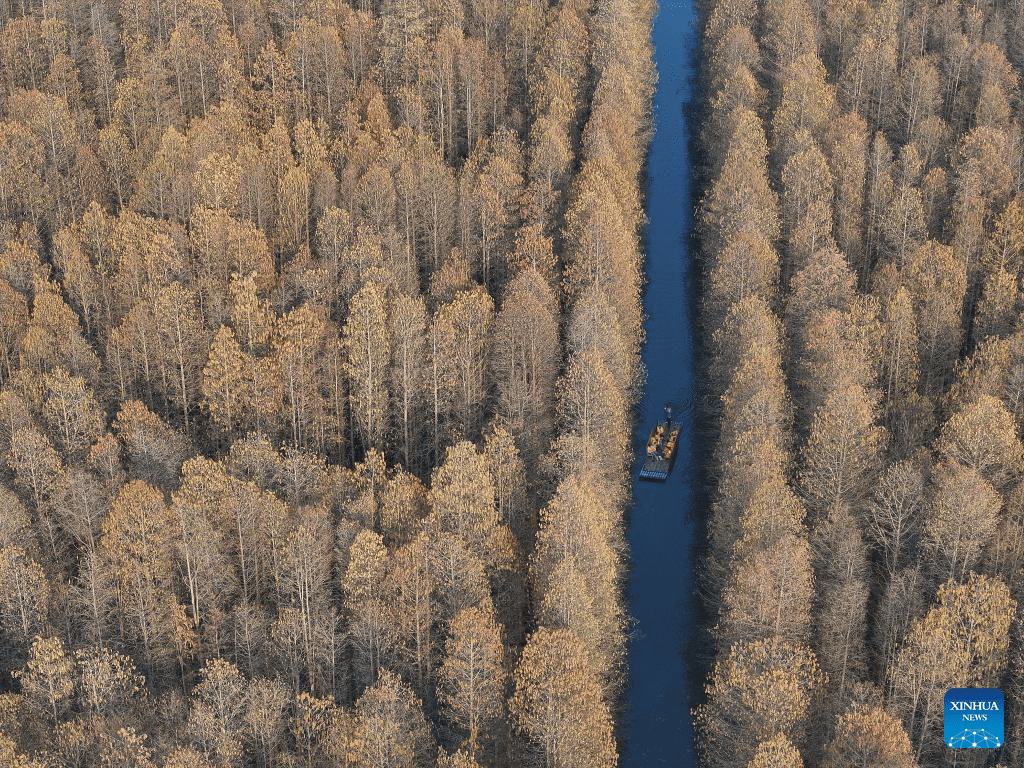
pixel 664 523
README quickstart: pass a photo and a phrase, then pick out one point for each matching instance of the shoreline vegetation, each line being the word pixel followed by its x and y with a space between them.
pixel 862 242
pixel 319 349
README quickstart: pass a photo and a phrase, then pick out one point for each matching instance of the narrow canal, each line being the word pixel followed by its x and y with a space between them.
pixel 664 524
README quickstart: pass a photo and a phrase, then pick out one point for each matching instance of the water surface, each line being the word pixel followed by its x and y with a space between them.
pixel 663 523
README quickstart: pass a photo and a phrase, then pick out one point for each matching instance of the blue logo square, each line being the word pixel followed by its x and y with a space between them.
pixel 973 718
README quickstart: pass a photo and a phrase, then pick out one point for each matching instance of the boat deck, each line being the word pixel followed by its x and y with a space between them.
pixel 661 452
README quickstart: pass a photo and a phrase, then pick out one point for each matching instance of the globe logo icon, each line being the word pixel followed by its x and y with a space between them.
pixel 973 718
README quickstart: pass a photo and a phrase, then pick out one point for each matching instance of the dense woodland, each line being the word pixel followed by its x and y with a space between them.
pixel 319 332
pixel 862 230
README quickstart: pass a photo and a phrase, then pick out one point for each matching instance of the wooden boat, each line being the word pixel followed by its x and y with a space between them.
pixel 662 447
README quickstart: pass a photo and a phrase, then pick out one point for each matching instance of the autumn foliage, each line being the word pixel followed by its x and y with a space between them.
pixel 861 245
pixel 319 339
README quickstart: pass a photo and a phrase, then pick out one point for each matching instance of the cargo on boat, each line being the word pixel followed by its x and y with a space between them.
pixel 662 447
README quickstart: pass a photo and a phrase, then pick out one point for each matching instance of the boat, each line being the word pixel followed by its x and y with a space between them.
pixel 662 447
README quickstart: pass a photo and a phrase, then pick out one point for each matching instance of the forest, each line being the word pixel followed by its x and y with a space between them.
pixel 862 252
pixel 319 343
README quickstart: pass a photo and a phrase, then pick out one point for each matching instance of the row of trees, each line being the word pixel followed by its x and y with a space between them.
pixel 319 332
pixel 862 241
pixel 578 561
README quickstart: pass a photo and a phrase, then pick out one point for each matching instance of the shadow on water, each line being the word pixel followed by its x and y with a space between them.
pixel 666 522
